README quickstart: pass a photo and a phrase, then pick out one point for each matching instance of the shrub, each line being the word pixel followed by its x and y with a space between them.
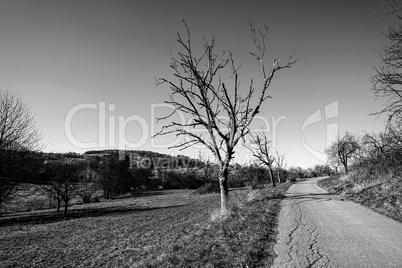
pixel 97 198
pixel 257 185
pixel 87 194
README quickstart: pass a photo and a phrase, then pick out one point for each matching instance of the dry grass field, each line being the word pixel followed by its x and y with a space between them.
pixel 161 229
pixel 114 234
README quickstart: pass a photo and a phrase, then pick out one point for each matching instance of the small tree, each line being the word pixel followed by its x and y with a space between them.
pixel 262 153
pixel 343 150
pixel 18 133
pixel 280 164
pixel 64 182
pixel 199 91
pixel 53 191
pixel 88 178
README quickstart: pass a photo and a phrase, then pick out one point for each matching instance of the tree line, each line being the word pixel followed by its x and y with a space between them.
pixel 63 178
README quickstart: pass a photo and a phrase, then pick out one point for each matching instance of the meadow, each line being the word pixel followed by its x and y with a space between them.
pixel 160 229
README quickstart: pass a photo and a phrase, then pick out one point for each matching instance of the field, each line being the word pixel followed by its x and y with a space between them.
pixel 164 228
pixel 118 233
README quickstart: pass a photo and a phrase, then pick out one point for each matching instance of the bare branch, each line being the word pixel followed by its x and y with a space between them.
pixel 214 104
pixel 387 82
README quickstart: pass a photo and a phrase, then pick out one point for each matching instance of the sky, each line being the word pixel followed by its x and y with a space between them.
pixel 87 68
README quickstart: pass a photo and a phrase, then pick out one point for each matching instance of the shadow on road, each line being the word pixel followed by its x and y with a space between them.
pixel 303 195
pixel 317 197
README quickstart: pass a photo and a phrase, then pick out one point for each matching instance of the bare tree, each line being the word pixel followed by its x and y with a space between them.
pixel 333 162
pixel 88 178
pixel 64 182
pixel 18 133
pixel 383 142
pixel 198 90
pixel 262 153
pixel 52 191
pixel 280 164
pixel 387 82
pixel 375 144
pixel 343 150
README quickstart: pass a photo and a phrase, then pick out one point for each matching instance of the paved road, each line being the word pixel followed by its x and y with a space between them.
pixel 317 229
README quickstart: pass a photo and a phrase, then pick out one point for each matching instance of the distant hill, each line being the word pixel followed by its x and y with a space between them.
pixel 150 158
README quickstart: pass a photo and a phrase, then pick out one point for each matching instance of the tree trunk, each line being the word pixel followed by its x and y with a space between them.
pixel 58 199
pixel 223 183
pixel 271 176
pixel 106 193
pixel 345 165
pixel 65 208
pixel 279 176
pixel 346 168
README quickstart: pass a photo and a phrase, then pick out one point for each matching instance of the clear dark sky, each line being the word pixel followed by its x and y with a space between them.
pixel 60 54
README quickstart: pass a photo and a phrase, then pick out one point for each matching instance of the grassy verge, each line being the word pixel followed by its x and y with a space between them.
pixel 331 184
pixel 382 196
pixel 168 230
pixel 244 238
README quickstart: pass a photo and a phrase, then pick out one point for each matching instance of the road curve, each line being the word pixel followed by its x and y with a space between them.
pixel 318 229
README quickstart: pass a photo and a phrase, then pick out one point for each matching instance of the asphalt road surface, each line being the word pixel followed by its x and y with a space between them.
pixel 317 229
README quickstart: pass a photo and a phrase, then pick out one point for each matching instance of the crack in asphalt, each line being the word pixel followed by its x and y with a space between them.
pixel 292 241
pixel 301 245
pixel 319 257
